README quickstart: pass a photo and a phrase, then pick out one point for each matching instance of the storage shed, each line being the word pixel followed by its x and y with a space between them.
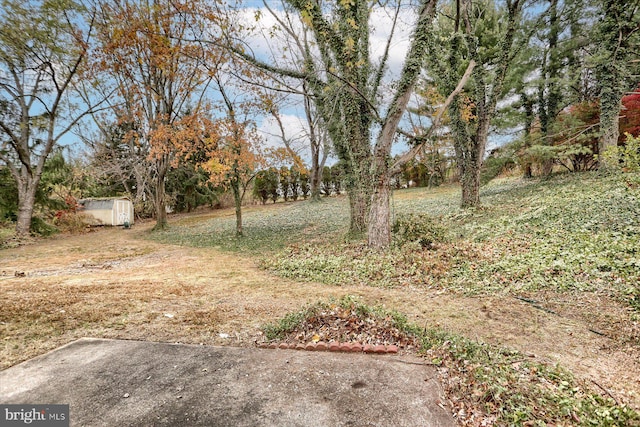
pixel 109 211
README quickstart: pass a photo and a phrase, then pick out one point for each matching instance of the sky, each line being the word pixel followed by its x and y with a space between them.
pixel 264 46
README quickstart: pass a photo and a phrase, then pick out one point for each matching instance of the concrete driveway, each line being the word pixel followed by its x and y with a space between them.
pixel 132 383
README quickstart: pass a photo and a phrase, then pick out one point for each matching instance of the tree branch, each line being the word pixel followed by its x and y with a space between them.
pixel 385 55
pixel 402 160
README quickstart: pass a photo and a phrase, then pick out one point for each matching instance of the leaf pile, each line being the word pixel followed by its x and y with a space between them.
pixel 344 321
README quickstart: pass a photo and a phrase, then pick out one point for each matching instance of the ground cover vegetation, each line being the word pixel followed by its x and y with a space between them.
pixel 552 243
pixel 568 233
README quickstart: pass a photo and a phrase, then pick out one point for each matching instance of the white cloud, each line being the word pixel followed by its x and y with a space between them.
pixel 268 40
pixel 270 43
pixel 380 24
pixel 295 131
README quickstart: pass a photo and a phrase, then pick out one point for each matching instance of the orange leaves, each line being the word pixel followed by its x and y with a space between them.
pixel 164 79
pixel 226 148
pixel 217 167
pixel 155 70
pixel 282 156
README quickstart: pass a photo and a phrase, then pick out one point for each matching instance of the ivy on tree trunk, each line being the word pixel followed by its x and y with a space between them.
pixel 618 32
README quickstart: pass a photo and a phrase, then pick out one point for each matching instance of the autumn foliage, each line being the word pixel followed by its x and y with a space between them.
pixel 630 115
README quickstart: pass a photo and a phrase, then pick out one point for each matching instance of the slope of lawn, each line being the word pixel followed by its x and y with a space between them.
pixel 267 229
pixel 578 232
pixel 575 236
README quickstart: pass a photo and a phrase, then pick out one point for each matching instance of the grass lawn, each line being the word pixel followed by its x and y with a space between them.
pixel 529 305
pixel 569 246
pixel 570 233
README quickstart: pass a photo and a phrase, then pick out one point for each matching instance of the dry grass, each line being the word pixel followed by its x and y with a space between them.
pixel 117 284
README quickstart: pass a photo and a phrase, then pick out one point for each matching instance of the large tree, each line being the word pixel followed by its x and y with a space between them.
pixel 618 35
pixel 43 48
pixel 158 74
pixel 560 49
pixel 483 32
pixel 354 97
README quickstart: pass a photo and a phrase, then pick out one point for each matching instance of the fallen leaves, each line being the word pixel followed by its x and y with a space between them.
pixel 349 324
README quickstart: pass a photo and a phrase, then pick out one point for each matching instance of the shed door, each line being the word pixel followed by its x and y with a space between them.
pixel 122 212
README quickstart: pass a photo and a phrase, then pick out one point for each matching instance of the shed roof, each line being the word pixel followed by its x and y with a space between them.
pixel 100 203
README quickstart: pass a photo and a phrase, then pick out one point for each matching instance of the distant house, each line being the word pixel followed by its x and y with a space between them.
pixel 109 211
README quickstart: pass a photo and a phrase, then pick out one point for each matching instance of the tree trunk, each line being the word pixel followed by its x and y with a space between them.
pixel 160 194
pixel 315 181
pixel 528 123
pixel 237 198
pixel 315 139
pixel 550 96
pixel 26 202
pixel 609 123
pixel 470 182
pixel 358 187
pixel 140 198
pixel 315 177
pixel 379 227
pixel 358 210
pixel 470 158
pixel 359 179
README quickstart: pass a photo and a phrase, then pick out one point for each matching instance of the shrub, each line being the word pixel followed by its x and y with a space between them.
pixel 265 186
pixel 72 222
pixel 260 187
pixel 41 228
pixel 627 156
pixel 626 159
pixel 304 184
pixel 499 161
pixel 418 228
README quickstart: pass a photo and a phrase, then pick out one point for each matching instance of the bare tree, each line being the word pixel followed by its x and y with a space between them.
pixel 43 51
pixel 317 139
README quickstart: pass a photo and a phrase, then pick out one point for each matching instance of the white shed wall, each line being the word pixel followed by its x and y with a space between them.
pixel 110 212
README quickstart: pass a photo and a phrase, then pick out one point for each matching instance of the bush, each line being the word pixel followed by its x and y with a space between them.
pixel 626 159
pixel 265 186
pixel 499 161
pixel 41 228
pixel 260 187
pixel 72 222
pixel 418 228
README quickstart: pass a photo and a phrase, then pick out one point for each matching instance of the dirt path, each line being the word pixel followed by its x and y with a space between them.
pixel 113 283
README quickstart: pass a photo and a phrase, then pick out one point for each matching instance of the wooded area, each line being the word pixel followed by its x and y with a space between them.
pixel 161 101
